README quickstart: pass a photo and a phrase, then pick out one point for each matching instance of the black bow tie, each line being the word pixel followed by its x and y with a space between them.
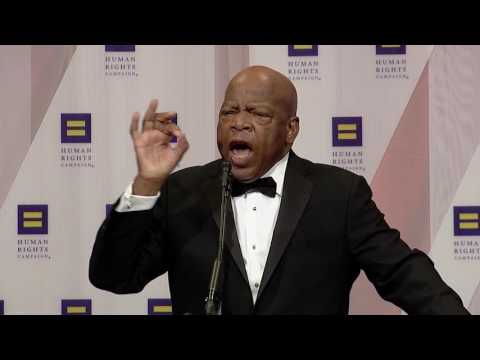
pixel 267 186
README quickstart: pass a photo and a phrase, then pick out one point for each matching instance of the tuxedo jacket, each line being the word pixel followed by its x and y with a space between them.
pixel 328 229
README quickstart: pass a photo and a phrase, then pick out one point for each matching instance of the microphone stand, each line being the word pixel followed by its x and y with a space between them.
pixel 213 304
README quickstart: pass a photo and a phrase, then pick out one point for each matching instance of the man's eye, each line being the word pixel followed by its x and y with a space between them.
pixel 261 114
pixel 228 112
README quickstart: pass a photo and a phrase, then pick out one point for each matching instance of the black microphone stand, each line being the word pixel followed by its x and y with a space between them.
pixel 213 304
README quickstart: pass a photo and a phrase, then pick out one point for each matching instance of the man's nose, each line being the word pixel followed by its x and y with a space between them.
pixel 242 122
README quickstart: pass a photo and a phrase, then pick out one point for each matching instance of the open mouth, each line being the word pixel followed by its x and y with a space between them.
pixel 240 152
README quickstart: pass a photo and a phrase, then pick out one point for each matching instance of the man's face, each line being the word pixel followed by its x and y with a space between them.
pixel 253 128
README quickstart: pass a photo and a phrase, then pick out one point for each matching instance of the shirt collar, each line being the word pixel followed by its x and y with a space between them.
pixel 277 172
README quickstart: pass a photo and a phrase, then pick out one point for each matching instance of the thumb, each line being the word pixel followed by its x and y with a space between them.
pixel 182 143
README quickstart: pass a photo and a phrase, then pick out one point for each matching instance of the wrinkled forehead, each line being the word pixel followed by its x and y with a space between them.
pixel 245 90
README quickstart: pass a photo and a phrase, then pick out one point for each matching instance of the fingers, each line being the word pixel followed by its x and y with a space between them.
pixel 168 127
pixel 161 120
pixel 134 132
pixel 164 122
pixel 182 144
pixel 170 130
pixel 149 115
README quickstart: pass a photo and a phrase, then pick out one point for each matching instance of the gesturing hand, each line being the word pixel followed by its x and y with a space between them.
pixel 156 158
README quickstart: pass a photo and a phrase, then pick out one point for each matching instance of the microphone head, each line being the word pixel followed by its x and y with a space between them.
pixel 226 166
pixel 226 174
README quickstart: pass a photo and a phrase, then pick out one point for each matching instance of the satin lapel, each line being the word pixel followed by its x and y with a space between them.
pixel 296 193
pixel 214 194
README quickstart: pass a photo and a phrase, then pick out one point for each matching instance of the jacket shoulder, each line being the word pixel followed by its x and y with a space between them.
pixel 196 174
pixel 325 172
pixel 335 172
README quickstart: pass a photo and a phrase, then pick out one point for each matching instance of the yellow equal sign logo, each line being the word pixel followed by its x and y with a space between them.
pixel 303 47
pixel 32 219
pixel 302 50
pixel 159 307
pixel 347 131
pixel 162 309
pixel 76 128
pixel 466 220
pixel 76 309
pixel 391 49
pixel 469 221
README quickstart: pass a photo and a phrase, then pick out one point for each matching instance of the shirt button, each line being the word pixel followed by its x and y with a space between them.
pixel 254 208
pixel 257 285
pixel 254 247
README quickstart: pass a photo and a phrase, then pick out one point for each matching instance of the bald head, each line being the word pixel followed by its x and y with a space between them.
pixel 257 121
pixel 269 83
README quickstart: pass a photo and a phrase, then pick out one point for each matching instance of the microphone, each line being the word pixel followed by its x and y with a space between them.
pixel 226 176
pixel 213 304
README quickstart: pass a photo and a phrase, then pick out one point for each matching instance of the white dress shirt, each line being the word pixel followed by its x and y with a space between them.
pixel 255 218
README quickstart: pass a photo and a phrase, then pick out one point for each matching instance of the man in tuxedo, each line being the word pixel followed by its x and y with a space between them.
pixel 297 233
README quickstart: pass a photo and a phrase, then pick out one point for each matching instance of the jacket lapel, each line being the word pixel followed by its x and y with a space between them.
pixel 296 193
pixel 214 195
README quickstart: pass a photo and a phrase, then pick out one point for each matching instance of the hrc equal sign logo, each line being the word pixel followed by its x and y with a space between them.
pixel 391 49
pixel 302 50
pixel 119 48
pixel 159 307
pixel 466 220
pixel 347 131
pixel 32 219
pixel 76 128
pixel 77 307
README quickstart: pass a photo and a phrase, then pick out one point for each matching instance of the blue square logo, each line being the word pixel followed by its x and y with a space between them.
pixel 302 50
pixel 32 219
pixel 119 48
pixel 466 220
pixel 391 49
pixel 159 307
pixel 347 131
pixel 76 128
pixel 77 307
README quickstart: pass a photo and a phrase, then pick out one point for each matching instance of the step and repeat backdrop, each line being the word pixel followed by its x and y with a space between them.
pixel 402 116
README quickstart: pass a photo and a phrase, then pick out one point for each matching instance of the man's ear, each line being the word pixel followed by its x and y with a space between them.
pixel 293 127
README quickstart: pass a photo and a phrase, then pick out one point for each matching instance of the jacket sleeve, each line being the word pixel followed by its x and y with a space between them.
pixel 130 249
pixel 401 275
